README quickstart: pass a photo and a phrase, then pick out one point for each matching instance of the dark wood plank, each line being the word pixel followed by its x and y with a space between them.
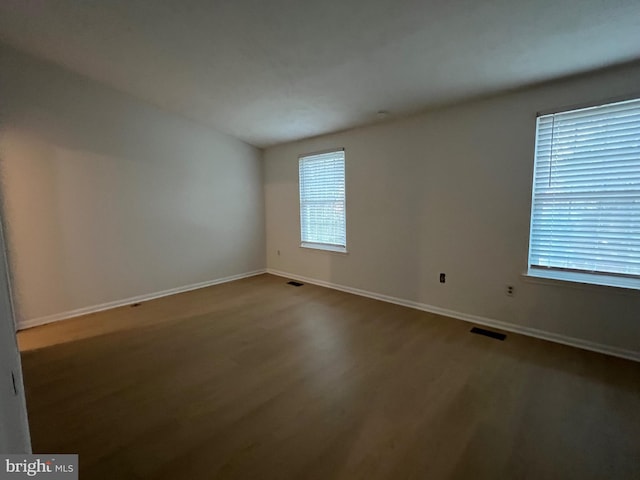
pixel 259 379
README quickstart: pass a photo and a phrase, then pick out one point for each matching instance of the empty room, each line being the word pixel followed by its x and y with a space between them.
pixel 329 239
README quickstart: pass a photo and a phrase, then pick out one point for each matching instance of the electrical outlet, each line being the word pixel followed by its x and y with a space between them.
pixel 442 278
pixel 510 290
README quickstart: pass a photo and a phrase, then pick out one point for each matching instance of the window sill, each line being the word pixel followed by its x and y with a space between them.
pixel 325 247
pixel 629 286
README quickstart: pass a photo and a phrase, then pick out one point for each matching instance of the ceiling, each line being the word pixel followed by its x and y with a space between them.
pixel 273 71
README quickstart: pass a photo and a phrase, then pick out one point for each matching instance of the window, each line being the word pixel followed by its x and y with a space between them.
pixel 322 201
pixel 585 216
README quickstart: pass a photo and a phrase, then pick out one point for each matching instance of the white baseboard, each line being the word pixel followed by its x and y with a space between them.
pixel 34 322
pixel 509 327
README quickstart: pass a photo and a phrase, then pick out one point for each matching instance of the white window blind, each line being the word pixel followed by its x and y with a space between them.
pixel 586 194
pixel 322 201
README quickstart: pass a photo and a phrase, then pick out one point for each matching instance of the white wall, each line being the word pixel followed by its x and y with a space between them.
pixel 449 191
pixel 107 198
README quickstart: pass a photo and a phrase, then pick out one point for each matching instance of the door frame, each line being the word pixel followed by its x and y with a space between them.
pixel 14 424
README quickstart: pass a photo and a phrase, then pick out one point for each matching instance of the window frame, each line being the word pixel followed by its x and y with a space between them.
pixel 319 246
pixel 557 275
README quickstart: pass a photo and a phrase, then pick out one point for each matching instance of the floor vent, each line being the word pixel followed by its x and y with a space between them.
pixel 295 284
pixel 488 333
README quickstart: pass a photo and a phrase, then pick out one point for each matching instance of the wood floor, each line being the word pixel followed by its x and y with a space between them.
pixel 256 379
